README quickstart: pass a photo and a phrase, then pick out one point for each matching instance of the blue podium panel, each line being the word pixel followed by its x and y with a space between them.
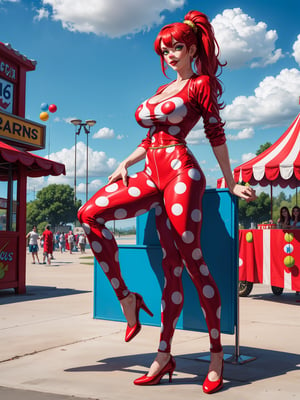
pixel 142 271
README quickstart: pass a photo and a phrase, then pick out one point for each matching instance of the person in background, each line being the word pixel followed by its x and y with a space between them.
pixel 82 243
pixel 48 245
pixel 62 242
pixel 71 241
pixel 295 217
pixel 33 237
pixel 284 220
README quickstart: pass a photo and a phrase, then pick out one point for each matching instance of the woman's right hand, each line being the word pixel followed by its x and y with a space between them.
pixel 120 173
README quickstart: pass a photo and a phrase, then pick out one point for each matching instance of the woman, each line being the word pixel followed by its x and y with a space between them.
pixel 169 182
pixel 284 220
pixel 295 217
pixel 33 237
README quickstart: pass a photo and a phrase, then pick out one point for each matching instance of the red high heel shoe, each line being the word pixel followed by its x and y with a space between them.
pixel 213 386
pixel 132 331
pixel 155 379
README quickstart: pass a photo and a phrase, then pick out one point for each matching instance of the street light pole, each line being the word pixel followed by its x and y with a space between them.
pixel 87 166
pixel 87 127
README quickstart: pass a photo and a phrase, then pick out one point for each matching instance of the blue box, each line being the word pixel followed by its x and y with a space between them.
pixel 142 270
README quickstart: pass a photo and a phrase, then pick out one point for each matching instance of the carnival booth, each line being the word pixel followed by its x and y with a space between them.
pixel 17 135
pixel 270 255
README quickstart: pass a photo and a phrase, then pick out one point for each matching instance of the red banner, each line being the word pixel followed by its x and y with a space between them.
pixel 270 256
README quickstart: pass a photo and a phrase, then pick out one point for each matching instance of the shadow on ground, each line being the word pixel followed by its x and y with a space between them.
pixel 268 363
pixel 8 296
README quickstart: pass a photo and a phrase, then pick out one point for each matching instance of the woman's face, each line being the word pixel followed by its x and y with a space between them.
pixel 296 212
pixel 178 57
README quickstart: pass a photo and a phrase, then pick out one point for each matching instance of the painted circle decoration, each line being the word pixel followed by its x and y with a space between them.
pixel 288 237
pixel 288 248
pixel 249 237
pixel 44 116
pixel 289 261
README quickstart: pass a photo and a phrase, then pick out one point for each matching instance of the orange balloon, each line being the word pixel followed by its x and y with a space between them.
pixel 44 116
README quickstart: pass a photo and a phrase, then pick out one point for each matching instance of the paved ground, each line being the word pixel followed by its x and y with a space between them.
pixel 51 348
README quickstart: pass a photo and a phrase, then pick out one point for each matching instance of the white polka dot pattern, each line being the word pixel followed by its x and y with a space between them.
pixel 208 291
pixel 175 164
pixel 112 188
pixel 102 201
pixel 96 246
pixel 188 237
pixel 194 174
pixel 86 228
pixel 180 188
pixel 214 333
pixel 107 234
pixel 120 213
pixel 196 254
pixel 176 297
pixel 104 266
pixel 196 215
pixel 177 209
pixel 134 192
pixel 115 283
pixel 162 345
pixel 204 270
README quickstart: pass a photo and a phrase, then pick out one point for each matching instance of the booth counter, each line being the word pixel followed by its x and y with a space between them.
pixel 270 256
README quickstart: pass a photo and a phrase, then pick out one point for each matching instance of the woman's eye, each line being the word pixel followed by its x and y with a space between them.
pixel 179 47
pixel 165 52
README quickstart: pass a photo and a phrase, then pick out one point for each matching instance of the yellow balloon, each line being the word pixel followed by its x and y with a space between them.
pixel 44 116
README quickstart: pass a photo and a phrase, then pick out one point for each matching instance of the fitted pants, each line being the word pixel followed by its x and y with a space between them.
pixel 172 183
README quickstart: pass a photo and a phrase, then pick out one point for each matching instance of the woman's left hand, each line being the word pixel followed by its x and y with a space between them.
pixel 244 192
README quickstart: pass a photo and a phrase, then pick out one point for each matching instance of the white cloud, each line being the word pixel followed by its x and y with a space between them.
pixel 93 187
pixel 243 41
pixel 275 102
pixel 104 133
pixel 246 133
pixel 296 48
pixel 41 13
pixel 114 18
pixel 99 163
pixel 247 156
pixel 197 135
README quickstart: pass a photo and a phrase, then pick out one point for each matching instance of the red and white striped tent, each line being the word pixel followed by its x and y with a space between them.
pixel 278 165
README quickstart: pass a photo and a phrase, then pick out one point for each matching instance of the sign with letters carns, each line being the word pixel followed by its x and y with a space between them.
pixel 28 134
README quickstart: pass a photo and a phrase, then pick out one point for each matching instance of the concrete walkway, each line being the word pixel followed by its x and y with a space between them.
pixel 51 348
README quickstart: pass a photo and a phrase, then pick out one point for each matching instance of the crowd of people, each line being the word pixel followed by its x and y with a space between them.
pixel 289 220
pixel 50 242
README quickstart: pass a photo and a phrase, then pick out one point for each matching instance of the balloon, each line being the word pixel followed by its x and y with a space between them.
pixel 44 107
pixel 52 108
pixel 44 116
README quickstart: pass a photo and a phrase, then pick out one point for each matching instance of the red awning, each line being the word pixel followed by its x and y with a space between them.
pixel 34 165
pixel 278 165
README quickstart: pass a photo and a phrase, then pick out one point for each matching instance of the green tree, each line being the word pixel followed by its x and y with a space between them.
pixel 263 147
pixel 257 211
pixel 54 204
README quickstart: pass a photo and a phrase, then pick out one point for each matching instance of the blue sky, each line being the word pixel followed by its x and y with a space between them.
pixel 95 60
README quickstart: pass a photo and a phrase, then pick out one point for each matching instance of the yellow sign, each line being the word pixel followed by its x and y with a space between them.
pixel 29 134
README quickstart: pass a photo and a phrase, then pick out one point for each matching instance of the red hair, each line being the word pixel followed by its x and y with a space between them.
pixel 200 33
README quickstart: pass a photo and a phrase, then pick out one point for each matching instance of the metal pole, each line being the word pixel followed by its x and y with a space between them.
pixel 87 166
pixel 75 161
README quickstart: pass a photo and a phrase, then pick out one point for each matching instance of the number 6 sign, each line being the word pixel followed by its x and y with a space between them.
pixel 6 95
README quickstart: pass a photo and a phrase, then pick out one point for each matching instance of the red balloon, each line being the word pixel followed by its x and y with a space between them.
pixel 52 108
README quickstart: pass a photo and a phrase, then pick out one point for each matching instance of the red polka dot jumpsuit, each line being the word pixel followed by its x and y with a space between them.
pixel 173 183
